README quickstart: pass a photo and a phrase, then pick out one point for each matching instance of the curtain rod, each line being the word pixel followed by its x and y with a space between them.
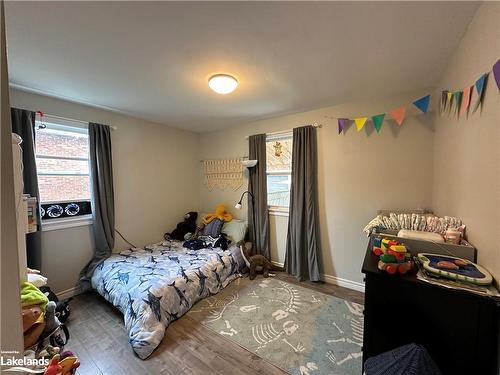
pixel 69 119
pixel 315 125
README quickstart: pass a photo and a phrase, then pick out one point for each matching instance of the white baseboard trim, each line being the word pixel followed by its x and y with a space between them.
pixel 68 293
pixel 278 264
pixel 354 285
pixel 334 280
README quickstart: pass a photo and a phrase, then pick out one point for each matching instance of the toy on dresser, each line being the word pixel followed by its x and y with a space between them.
pixel 394 257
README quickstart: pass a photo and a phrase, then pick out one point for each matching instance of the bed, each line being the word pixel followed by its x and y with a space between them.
pixel 158 284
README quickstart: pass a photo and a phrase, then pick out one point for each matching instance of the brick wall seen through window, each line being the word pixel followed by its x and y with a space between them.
pixel 62 164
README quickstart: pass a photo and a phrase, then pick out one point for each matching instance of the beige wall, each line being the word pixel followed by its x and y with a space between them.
pixel 358 174
pixel 466 151
pixel 155 176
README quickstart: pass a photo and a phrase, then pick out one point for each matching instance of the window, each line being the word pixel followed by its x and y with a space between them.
pixel 62 161
pixel 279 171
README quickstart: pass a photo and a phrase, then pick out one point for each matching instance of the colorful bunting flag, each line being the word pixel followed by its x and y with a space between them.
pixel 496 73
pixel 480 85
pixel 423 103
pixel 462 98
pixel 342 124
pixel 449 103
pixel 377 121
pixel 465 100
pixel 360 122
pixel 457 95
pixel 398 114
pixel 444 96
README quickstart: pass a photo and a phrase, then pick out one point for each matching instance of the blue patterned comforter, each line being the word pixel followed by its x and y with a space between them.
pixel 158 284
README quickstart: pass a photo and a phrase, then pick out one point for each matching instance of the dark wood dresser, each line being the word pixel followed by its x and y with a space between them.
pixel 459 329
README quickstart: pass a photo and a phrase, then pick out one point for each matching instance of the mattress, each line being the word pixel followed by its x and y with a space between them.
pixel 158 284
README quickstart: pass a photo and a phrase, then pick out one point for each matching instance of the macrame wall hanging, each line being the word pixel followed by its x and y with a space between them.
pixel 223 173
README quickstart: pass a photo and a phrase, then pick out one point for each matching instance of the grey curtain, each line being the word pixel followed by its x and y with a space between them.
pixel 302 244
pixel 103 207
pixel 258 223
pixel 23 124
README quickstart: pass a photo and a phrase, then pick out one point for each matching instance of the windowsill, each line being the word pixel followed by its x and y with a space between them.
pixel 66 222
pixel 278 211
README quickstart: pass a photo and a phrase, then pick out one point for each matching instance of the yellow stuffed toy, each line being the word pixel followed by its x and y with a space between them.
pixel 220 213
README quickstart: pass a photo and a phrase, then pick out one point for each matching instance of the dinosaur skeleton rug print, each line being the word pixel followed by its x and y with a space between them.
pixel 301 331
pixel 158 284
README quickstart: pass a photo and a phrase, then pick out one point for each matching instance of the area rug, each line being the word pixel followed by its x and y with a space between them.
pixel 299 330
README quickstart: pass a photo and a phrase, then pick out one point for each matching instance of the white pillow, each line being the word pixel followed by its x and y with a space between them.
pixel 235 230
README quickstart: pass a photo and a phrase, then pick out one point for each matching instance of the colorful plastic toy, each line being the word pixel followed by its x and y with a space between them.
pixel 393 256
pixel 454 268
pixel 376 248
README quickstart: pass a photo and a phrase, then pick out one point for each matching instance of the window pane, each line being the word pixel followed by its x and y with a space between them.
pixel 62 166
pixel 278 190
pixel 63 188
pixel 51 142
pixel 279 155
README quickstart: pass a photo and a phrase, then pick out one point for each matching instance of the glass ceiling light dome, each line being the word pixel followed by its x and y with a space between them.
pixel 222 83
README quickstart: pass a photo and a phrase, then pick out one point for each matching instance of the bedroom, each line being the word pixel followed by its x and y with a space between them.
pixel 141 70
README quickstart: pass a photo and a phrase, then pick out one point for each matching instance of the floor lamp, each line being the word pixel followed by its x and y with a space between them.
pixel 249 164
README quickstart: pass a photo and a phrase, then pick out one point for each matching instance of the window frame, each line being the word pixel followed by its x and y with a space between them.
pixel 54 123
pixel 279 210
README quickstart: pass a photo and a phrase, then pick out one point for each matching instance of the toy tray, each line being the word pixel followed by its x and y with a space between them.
pixel 471 273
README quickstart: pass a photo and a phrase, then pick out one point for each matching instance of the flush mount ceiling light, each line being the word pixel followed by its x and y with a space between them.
pixel 222 83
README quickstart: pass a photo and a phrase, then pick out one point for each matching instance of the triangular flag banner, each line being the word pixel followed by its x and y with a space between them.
pixel 378 120
pixel 398 114
pixel 444 95
pixel 360 122
pixel 449 103
pixel 465 100
pixel 342 124
pixel 480 85
pixel 457 95
pixel 423 103
pixel 496 73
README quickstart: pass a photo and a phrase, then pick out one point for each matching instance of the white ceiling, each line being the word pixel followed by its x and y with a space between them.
pixel 152 60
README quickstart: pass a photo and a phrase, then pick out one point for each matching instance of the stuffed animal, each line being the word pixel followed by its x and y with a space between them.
pixel 220 213
pixel 256 263
pixel 183 228
pixel 62 307
pixel 54 367
pixel 222 242
pixel 69 365
pixel 48 352
pixel 62 366
pixel 51 321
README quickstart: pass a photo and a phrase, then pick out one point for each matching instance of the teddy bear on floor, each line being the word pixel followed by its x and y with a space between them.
pixel 183 228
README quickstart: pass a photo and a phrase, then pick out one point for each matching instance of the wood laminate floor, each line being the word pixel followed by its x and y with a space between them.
pixel 99 339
